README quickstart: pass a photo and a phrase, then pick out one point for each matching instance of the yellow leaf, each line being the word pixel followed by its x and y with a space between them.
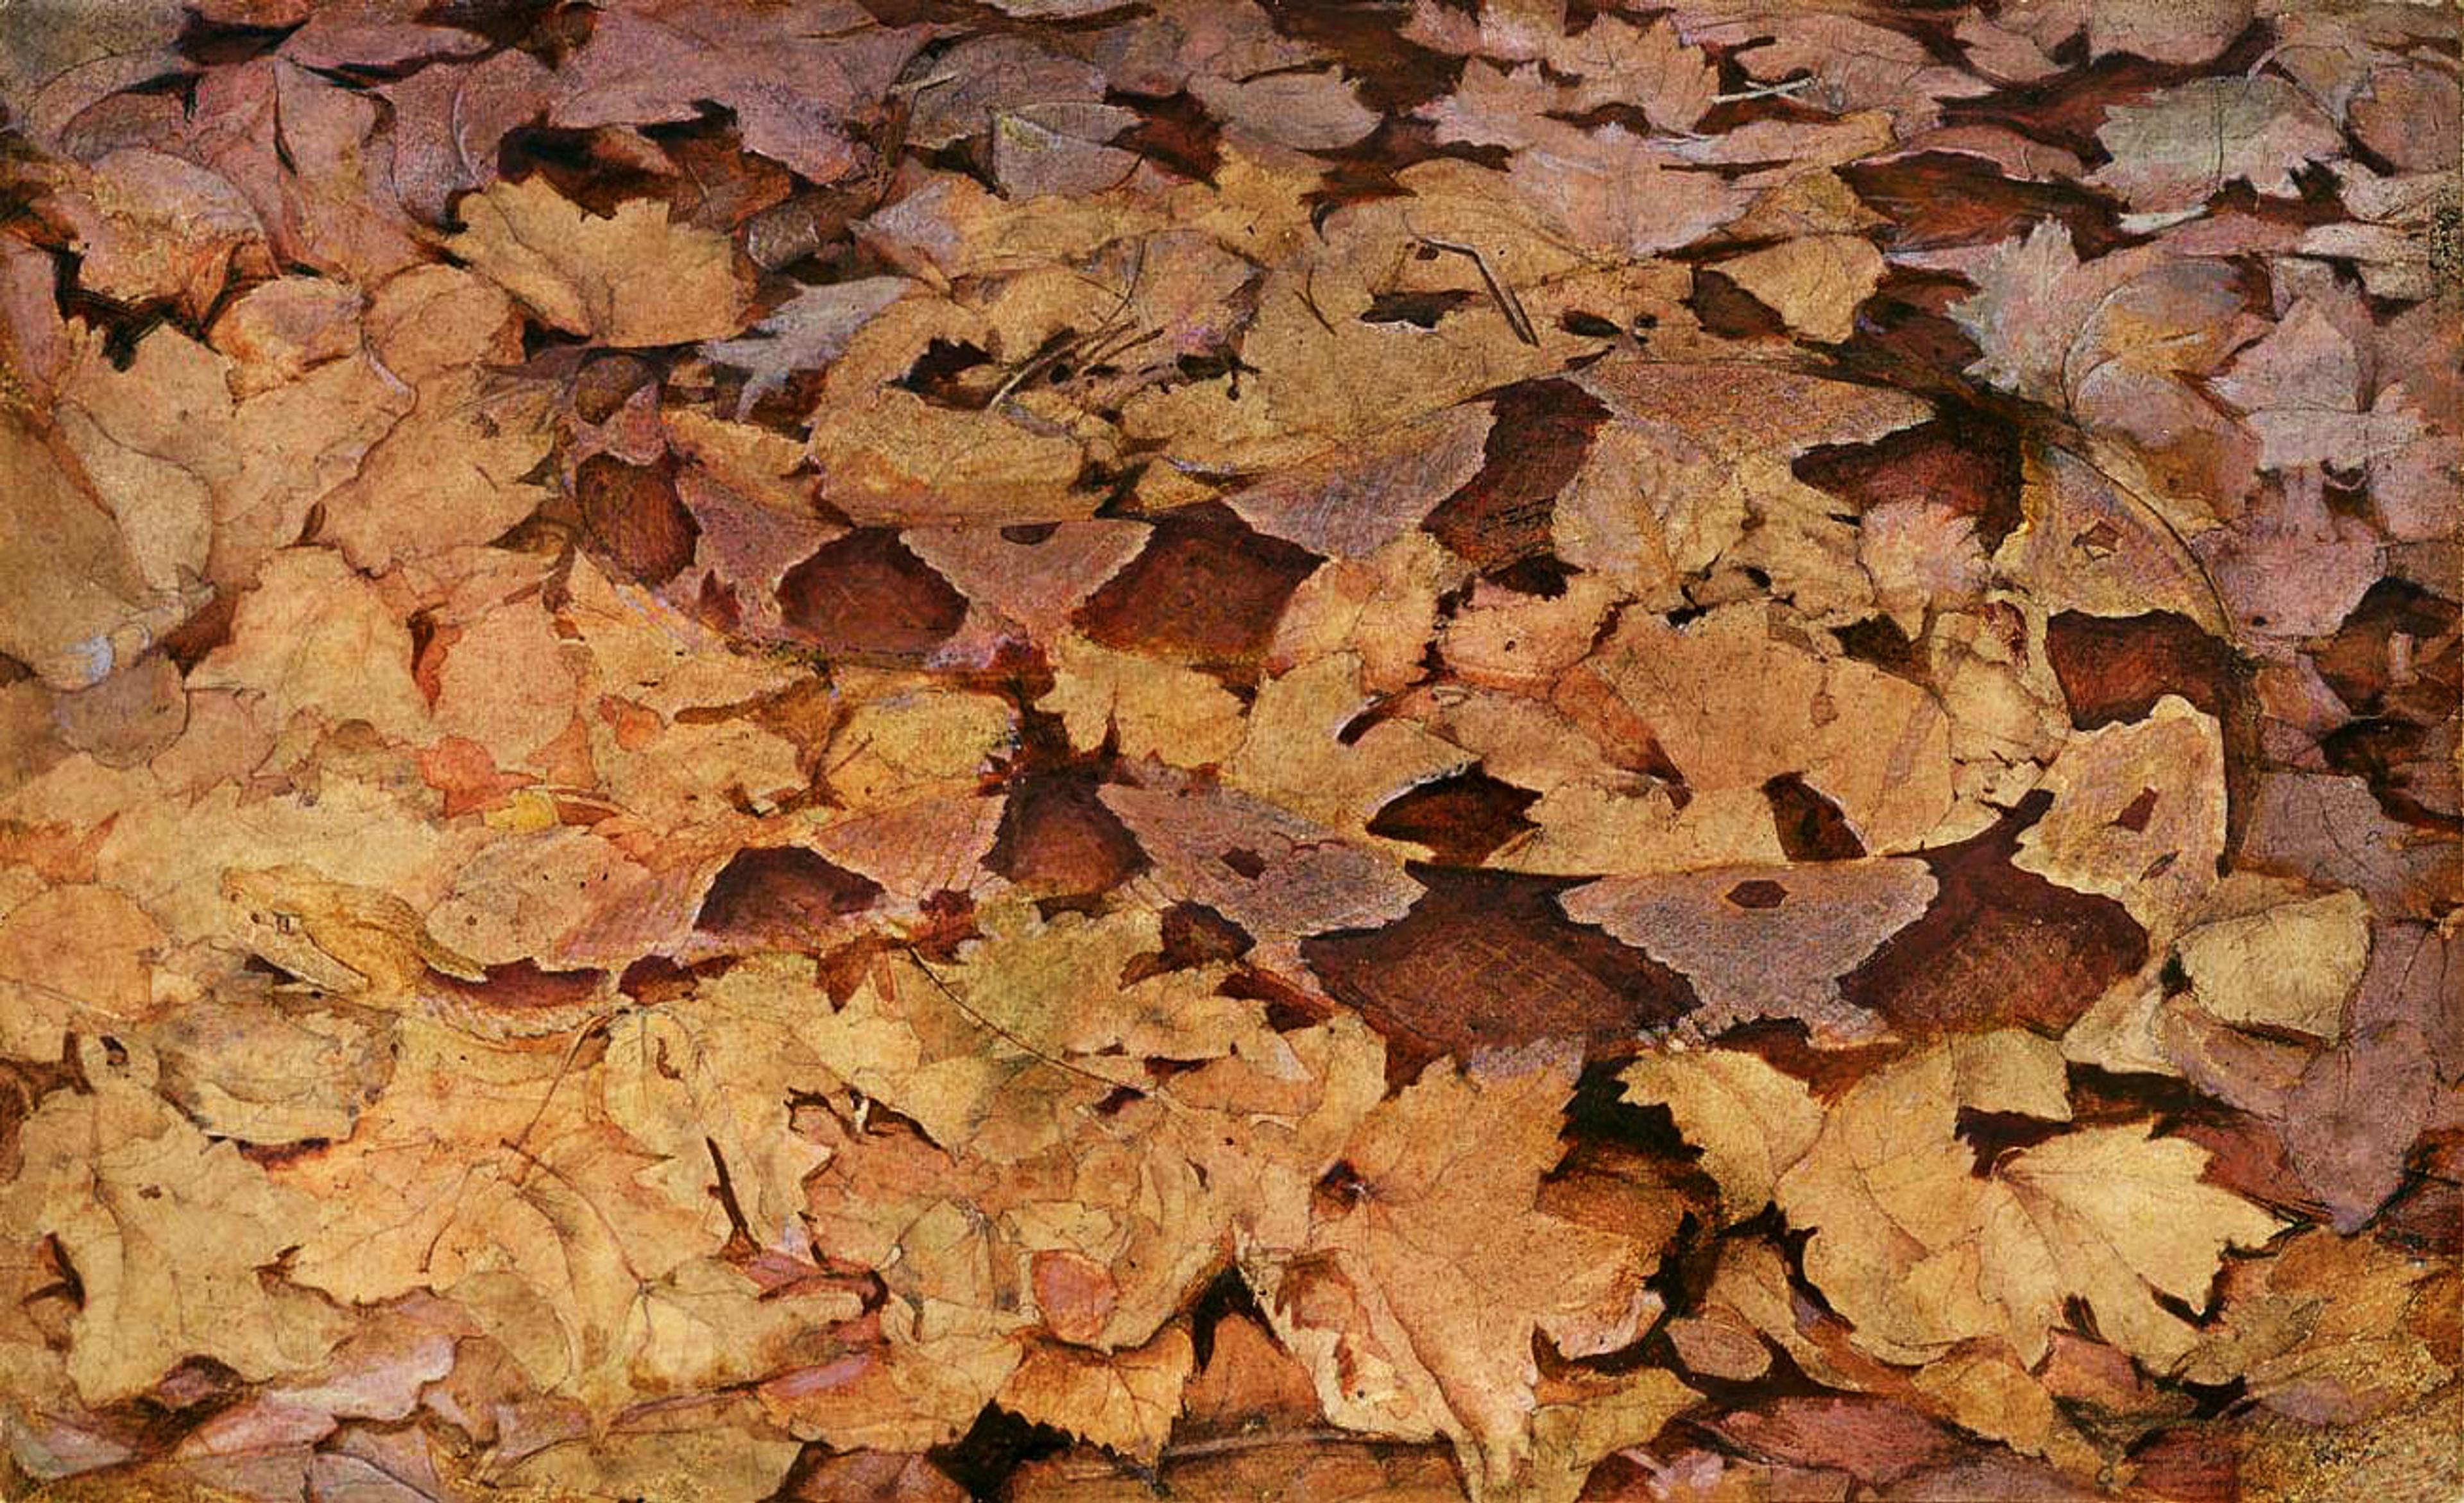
pixel 1875 744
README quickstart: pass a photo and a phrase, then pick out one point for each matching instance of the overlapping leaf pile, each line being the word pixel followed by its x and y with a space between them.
pixel 838 751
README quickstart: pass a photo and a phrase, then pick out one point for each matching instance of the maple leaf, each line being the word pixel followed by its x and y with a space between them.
pixel 1856 64
pixel 911 1039
pixel 706 1083
pixel 1416 1297
pixel 1294 755
pixel 790 74
pixel 1145 708
pixel 1622 195
pixel 1918 1253
pixel 2330 1327
pixel 455 468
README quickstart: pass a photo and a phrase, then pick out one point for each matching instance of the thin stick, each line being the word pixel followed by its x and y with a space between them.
pixel 1015 1041
pixel 1506 302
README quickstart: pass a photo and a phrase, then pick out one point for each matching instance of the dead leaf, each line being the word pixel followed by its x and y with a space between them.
pixel 581 271
pixel 1920 1253
pixel 166 1231
pixel 1417 1307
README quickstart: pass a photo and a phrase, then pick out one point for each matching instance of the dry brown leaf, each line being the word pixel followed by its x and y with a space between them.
pixel 2290 966
pixel 1918 1253
pixel 1125 1402
pixel 585 273
pixel 758 753
pixel 2125 821
pixel 1815 283
pixel 1420 1289
pixel 1875 745
pixel 1750 1121
pixel 168 1230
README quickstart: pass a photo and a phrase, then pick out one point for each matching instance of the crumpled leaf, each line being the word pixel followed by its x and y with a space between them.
pixel 167 1230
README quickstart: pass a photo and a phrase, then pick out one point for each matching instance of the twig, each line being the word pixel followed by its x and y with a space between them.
pixel 580 1036
pixel 1766 91
pixel 1506 302
pixel 1014 1041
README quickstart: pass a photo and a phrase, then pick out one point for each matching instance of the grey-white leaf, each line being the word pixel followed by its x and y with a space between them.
pixel 807 332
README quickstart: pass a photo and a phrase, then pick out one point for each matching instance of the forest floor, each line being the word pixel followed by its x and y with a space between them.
pixel 1068 751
